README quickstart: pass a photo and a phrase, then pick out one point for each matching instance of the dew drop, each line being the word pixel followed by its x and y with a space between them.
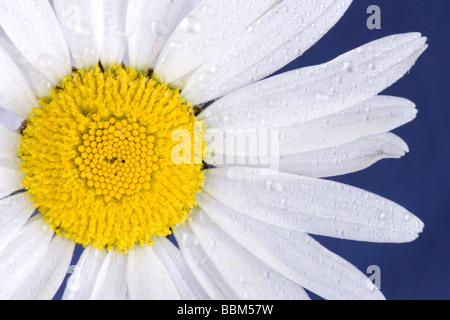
pixel 192 25
pixel 83 30
pixel 159 28
pixel 407 217
pixel 349 67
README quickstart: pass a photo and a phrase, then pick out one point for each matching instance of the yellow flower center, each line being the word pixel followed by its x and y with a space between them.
pixel 117 158
pixel 97 158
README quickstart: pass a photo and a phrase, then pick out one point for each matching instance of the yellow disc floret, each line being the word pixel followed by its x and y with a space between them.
pixel 97 159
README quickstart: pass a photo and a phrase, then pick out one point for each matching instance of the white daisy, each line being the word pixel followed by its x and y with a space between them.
pixel 95 154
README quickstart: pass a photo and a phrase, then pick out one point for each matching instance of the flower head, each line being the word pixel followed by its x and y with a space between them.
pixel 162 129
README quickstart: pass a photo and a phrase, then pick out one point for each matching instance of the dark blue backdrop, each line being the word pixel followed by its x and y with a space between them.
pixel 421 180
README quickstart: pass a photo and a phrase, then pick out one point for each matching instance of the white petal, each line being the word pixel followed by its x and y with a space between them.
pixel 251 278
pixel 38 83
pixel 310 93
pixel 280 36
pixel 14 213
pixel 114 38
pixel 81 283
pixel 203 268
pixel 208 29
pixel 11 120
pixel 377 115
pixel 311 205
pixel 48 274
pixel 82 24
pixel 9 144
pixel 148 26
pixel 348 158
pixel 111 282
pixel 15 94
pixel 22 254
pixel 148 278
pixel 189 6
pixel 186 283
pixel 328 162
pixel 33 28
pixel 295 255
pixel 10 181
pixel 255 146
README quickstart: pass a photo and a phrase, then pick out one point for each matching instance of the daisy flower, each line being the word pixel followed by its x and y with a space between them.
pixel 110 89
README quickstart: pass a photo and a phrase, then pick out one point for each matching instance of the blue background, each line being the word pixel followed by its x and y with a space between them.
pixel 421 180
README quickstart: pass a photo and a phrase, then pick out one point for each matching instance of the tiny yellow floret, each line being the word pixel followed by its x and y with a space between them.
pixel 96 156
